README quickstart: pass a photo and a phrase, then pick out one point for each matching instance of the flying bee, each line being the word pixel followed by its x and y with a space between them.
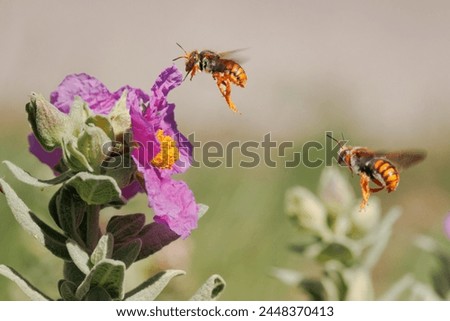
pixel 382 168
pixel 224 71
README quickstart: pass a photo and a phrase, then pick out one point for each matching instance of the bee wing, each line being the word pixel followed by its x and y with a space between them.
pixel 403 159
pixel 235 55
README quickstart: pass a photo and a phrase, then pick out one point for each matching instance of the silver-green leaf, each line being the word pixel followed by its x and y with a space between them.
pixel 103 250
pixel 79 257
pixel 120 116
pixel 26 178
pixel 202 209
pixel 21 212
pixel 151 288
pixel 211 290
pixel 107 274
pixel 33 293
pixel 96 189
pixel 72 156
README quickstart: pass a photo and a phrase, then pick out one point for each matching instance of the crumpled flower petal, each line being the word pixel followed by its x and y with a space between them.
pixel 160 115
pixel 50 158
pixel 172 201
pixel 88 88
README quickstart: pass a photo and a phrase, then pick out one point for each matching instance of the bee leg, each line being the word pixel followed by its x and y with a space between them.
pixel 350 169
pixel 365 189
pixel 376 189
pixel 225 88
pixel 193 71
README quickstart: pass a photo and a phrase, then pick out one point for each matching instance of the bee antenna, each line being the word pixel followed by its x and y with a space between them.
pixel 329 136
pixel 340 143
pixel 181 49
pixel 186 55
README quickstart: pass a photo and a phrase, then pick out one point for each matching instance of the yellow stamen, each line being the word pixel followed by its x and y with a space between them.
pixel 168 154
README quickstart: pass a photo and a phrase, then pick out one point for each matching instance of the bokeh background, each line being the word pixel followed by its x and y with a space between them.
pixel 376 71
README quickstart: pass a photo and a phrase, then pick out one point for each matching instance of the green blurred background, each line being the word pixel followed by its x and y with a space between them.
pixel 377 71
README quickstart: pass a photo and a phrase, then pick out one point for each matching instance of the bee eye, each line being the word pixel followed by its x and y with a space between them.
pixel 341 158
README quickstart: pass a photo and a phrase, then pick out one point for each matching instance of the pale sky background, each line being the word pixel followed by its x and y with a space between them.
pixel 383 66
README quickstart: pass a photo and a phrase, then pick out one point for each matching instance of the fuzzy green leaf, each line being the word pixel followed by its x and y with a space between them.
pixel 125 226
pixel 79 257
pixel 33 293
pixel 103 123
pixel 26 178
pixel 49 124
pixel 202 209
pixel 90 143
pixel 54 241
pixel 21 212
pixel 118 166
pixel 98 294
pixel 79 113
pixel 67 290
pixel 336 251
pixel 96 189
pixel 380 236
pixel 151 288
pixel 287 276
pixel 314 288
pixel 441 277
pixel 120 116
pixel 70 210
pixel 128 253
pixel 47 236
pixel 109 275
pixel 72 156
pixel 72 273
pixel 104 249
pixel 211 290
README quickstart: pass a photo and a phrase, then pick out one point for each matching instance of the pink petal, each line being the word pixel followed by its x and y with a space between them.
pixel 172 201
pixel 50 158
pixel 89 88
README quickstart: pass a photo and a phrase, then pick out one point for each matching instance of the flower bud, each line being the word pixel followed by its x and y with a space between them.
pixel 72 156
pixel 366 220
pixel 48 123
pixel 91 144
pixel 335 190
pixel 120 116
pixel 304 207
pixel 359 285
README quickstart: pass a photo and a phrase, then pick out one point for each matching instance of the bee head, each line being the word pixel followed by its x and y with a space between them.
pixel 344 152
pixel 192 59
pixel 344 155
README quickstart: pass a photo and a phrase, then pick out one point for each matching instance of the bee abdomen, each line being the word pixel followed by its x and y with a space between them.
pixel 236 73
pixel 388 173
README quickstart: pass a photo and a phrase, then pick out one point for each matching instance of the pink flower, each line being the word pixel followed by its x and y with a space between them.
pixel 161 150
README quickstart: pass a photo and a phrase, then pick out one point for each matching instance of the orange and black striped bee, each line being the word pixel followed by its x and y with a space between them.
pixel 379 167
pixel 224 71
